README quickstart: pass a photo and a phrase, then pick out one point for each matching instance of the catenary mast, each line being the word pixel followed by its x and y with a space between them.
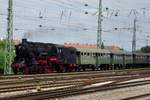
pixel 9 39
pixel 99 30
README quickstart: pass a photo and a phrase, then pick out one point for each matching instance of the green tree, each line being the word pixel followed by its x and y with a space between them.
pixel 2 55
pixel 2 60
pixel 145 49
pixel 2 45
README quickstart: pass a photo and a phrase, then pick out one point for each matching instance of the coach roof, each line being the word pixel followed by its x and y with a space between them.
pixel 93 50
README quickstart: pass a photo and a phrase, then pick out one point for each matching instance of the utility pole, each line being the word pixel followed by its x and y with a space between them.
pixel 9 40
pixel 134 36
pixel 99 31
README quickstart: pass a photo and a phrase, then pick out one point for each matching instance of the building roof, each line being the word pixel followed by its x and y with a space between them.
pixel 77 45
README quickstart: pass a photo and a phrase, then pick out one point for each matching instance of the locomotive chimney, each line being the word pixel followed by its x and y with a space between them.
pixel 24 41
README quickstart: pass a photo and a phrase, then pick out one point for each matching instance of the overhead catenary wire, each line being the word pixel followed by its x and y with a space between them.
pixel 65 4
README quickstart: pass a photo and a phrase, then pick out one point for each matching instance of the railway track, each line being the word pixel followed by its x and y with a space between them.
pixel 74 90
pixel 43 85
pixel 8 77
pixel 52 83
pixel 68 76
pixel 23 78
pixel 21 85
pixel 68 82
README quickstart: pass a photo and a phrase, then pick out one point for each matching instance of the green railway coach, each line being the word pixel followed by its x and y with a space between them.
pixel 92 58
pixel 100 59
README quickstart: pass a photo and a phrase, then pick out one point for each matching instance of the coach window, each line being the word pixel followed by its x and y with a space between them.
pixel 81 53
pixel 85 53
pixel 78 53
pixel 88 54
pixel 97 54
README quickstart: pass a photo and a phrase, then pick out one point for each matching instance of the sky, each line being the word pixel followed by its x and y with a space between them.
pixel 65 21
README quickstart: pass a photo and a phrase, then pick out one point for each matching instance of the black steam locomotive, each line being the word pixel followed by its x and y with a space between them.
pixel 37 57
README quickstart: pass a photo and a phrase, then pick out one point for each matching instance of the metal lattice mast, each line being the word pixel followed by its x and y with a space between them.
pixel 9 39
pixel 134 36
pixel 99 31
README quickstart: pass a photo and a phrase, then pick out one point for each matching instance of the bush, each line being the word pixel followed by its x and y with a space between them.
pixel 145 49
